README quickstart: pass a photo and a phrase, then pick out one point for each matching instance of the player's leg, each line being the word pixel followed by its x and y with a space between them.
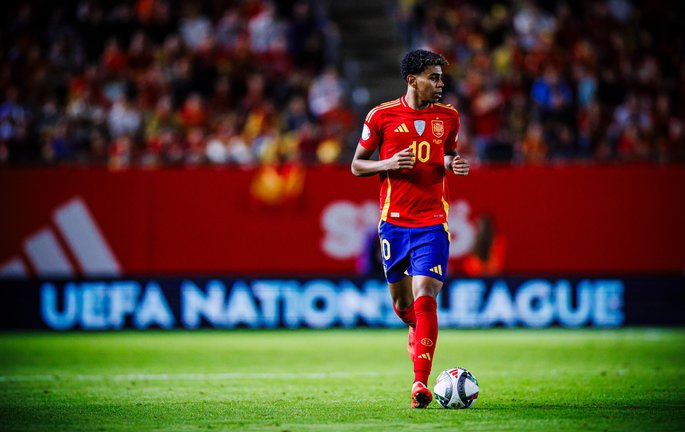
pixel 395 253
pixel 426 335
pixel 428 265
pixel 402 297
pixel 426 290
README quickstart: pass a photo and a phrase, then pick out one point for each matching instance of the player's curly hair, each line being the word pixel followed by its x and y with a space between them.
pixel 414 62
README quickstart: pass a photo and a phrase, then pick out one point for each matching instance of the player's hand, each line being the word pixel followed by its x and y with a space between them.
pixel 460 166
pixel 402 160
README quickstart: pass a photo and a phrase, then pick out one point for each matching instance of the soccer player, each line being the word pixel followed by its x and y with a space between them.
pixel 416 137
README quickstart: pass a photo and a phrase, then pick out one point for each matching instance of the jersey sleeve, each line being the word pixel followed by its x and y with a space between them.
pixel 371 131
pixel 453 136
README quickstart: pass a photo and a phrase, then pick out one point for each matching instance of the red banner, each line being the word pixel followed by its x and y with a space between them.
pixel 566 219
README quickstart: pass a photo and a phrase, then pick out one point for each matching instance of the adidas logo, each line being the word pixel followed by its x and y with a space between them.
pixel 402 128
pixel 437 269
pixel 425 356
pixel 76 244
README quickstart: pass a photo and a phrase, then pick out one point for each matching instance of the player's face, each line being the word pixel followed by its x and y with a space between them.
pixel 429 84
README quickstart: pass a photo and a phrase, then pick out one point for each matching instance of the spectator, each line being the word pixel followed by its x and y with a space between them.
pixel 631 125
pixel 486 258
pixel 486 106
pixel 534 148
pixel 14 119
pixel 306 36
pixel 229 29
pixel 193 113
pixel 124 119
pixel 326 92
pixel 195 28
pixel 264 28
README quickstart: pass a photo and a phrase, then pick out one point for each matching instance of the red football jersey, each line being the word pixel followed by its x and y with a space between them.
pixel 414 197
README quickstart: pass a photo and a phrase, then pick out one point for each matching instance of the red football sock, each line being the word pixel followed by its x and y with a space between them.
pixel 426 309
pixel 406 315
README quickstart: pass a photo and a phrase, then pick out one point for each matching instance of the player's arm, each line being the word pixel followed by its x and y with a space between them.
pixel 454 163
pixel 364 166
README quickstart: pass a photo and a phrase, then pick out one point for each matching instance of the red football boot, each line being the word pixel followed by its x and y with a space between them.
pixel 421 397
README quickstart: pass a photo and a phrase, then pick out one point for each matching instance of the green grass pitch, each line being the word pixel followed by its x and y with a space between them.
pixel 339 380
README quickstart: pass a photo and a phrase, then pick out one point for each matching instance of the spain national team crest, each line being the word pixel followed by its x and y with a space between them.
pixel 438 128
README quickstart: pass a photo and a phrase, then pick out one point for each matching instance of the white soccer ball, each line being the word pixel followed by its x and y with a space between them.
pixel 456 388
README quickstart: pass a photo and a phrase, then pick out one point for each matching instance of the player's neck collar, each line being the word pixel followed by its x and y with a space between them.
pixel 404 102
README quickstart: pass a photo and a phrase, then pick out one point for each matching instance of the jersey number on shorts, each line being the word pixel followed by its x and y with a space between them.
pixel 385 246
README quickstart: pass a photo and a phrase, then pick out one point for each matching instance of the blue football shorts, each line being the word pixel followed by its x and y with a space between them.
pixel 414 251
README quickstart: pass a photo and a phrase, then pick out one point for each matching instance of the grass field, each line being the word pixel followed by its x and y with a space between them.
pixel 347 380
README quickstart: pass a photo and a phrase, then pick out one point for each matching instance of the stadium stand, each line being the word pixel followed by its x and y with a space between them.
pixel 540 81
pixel 152 83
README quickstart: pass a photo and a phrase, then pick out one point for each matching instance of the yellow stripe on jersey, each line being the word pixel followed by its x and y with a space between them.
pixel 381 107
pixel 384 105
pixel 386 205
pixel 448 106
pixel 446 206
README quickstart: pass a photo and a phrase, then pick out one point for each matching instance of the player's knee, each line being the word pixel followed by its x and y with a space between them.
pixel 402 302
pixel 426 286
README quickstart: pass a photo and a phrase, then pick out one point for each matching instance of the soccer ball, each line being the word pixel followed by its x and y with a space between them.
pixel 456 388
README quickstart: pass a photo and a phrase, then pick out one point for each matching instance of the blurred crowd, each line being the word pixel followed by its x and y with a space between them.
pixel 255 82
pixel 163 82
pixel 544 81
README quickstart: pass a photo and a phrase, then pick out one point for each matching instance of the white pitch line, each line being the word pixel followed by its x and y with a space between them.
pixel 188 376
